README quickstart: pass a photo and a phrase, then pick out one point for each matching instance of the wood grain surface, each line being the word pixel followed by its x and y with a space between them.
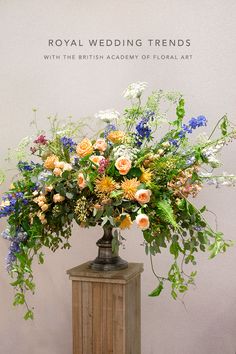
pixel 106 310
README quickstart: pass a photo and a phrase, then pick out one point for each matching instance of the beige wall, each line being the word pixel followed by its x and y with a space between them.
pixel 208 325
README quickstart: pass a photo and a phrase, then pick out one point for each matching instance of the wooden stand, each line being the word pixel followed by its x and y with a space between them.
pixel 106 310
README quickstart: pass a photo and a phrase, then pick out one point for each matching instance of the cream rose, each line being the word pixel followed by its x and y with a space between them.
pixel 142 221
pixel 59 164
pixel 123 165
pixel 57 171
pixel 143 196
pixel 57 198
pixel 67 167
pixel 100 145
pixel 84 148
pixel 81 181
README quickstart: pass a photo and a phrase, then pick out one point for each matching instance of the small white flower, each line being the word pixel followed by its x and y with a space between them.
pixel 67 167
pixel 108 115
pixel 125 151
pixel 135 90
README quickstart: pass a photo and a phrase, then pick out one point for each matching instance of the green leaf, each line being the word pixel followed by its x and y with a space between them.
pixel 19 299
pixel 29 315
pixel 174 249
pixel 224 126
pixel 174 294
pixel 134 172
pixel 41 258
pixel 158 290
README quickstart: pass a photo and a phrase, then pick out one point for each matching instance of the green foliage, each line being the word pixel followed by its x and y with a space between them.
pixel 166 213
pixel 158 290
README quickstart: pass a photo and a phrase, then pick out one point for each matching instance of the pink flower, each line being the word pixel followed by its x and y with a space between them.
pixel 123 165
pixel 81 181
pixel 41 139
pixel 100 145
pixel 143 196
pixel 143 221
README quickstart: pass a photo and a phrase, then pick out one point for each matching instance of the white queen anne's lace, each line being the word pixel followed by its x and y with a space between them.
pixel 134 90
pixel 108 115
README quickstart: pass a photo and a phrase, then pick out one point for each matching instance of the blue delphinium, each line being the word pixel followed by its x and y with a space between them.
pixel 143 129
pixel 9 203
pixel 25 166
pixel 190 161
pixel 68 143
pixel 15 242
pixel 193 123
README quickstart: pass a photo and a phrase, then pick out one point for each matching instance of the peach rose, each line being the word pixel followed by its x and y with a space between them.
pixel 143 221
pixel 116 136
pixel 49 188
pixel 57 198
pixel 57 172
pixel 143 196
pixel 100 145
pixel 50 161
pixel 81 181
pixel 96 159
pixel 44 207
pixel 123 165
pixel 84 148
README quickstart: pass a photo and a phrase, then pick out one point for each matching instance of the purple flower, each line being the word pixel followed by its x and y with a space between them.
pixel 15 242
pixel 10 201
pixel 109 128
pixel 103 165
pixel 143 129
pixel 190 160
pixel 68 143
pixel 174 142
pixel 200 121
pixel 192 124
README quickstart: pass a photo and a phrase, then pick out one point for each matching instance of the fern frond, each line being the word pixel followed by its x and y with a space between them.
pixel 166 213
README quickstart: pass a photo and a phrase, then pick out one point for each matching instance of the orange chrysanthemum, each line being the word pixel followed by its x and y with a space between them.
pixel 105 185
pixel 130 186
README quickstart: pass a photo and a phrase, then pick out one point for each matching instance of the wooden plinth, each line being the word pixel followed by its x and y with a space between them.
pixel 106 310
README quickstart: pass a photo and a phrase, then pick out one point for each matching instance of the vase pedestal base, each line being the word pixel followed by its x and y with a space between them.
pixel 106 310
pixel 117 263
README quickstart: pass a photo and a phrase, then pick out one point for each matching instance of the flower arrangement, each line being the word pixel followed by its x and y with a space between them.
pixel 127 174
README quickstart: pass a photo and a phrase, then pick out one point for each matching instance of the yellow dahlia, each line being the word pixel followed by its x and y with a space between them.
pixel 124 222
pixel 129 186
pixel 105 185
pixel 146 175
